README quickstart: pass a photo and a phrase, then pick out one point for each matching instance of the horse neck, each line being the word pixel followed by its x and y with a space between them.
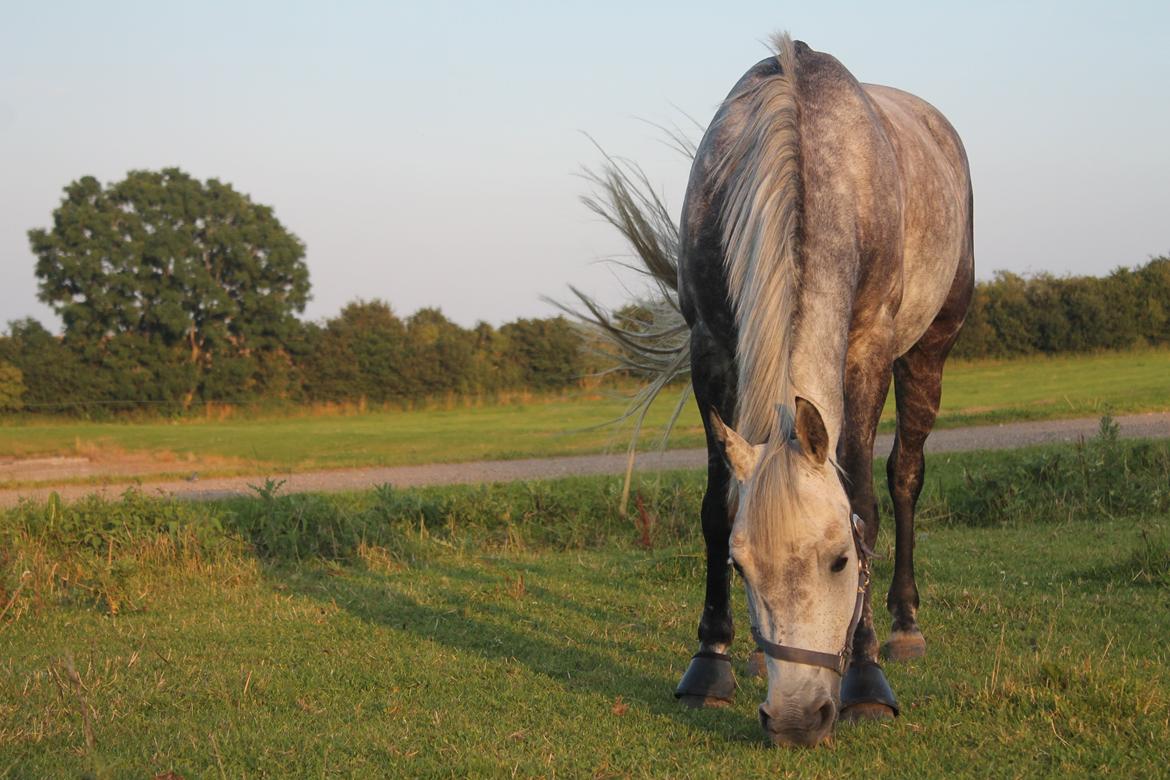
pixel 817 356
pixel 809 362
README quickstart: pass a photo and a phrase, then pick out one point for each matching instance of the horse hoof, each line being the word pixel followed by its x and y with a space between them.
pixel 701 702
pixel 866 692
pixel 867 711
pixel 707 682
pixel 904 646
pixel 755 666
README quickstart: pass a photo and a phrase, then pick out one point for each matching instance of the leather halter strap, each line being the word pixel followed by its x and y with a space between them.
pixel 797 655
pixel 838 661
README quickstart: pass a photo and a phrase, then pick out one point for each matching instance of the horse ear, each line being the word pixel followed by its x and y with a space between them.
pixel 740 455
pixel 810 431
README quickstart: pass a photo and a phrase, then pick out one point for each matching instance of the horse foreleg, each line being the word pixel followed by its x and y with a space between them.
pixel 709 680
pixel 865 693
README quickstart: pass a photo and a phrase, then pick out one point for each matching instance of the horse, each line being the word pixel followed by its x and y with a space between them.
pixel 825 247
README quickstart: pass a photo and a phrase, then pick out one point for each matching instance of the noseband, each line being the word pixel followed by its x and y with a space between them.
pixel 834 661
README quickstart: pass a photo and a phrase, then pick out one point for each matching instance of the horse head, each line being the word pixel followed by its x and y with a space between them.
pixel 795 544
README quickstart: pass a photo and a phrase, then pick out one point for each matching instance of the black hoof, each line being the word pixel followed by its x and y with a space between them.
pixel 868 711
pixel 708 681
pixel 865 693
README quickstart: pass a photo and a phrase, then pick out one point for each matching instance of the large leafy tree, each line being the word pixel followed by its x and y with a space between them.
pixel 164 256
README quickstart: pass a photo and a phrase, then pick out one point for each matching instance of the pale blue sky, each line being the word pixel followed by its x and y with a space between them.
pixel 425 152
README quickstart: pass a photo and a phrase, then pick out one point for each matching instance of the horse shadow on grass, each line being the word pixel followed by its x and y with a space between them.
pixel 476 614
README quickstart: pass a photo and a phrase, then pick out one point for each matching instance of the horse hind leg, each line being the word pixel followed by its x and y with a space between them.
pixel 918 390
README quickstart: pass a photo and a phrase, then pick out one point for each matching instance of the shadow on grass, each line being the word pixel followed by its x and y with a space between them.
pixel 1146 565
pixel 554 636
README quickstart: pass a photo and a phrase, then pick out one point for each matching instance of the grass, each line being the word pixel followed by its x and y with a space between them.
pixel 975 393
pixel 526 629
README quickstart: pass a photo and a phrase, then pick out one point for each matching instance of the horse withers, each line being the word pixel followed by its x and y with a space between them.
pixel 825 246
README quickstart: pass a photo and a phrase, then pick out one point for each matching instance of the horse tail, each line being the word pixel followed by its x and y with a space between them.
pixel 759 173
pixel 760 218
pixel 649 340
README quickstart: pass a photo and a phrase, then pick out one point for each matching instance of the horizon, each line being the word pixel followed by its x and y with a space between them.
pixel 411 146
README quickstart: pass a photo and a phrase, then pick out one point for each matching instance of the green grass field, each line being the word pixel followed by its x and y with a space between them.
pixel 522 629
pixel 974 393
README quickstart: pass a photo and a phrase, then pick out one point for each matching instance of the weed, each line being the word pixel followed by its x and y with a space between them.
pixel 1150 561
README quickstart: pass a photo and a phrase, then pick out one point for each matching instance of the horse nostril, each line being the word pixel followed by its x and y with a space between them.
pixel 824 715
pixel 763 718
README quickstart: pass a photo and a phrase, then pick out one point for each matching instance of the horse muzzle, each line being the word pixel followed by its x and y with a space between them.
pixel 805 727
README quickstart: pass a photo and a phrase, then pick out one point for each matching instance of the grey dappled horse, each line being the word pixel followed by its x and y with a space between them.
pixel 825 245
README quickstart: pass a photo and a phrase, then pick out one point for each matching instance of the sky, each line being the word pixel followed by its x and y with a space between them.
pixel 428 153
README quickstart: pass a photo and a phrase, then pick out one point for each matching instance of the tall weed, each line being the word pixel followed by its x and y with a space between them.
pixel 102 552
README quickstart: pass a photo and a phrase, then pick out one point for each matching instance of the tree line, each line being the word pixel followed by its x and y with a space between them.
pixel 1044 314
pixel 364 355
pixel 175 293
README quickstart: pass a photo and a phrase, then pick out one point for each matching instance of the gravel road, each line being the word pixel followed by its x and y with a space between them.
pixel 991 437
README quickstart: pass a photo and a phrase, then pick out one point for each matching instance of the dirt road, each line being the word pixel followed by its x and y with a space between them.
pixel 1007 436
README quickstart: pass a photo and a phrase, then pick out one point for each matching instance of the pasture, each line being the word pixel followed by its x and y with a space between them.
pixel 975 393
pixel 526 629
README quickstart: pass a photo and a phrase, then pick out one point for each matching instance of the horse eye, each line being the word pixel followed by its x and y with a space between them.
pixel 839 564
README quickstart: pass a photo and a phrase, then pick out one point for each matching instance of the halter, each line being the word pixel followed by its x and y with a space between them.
pixel 837 662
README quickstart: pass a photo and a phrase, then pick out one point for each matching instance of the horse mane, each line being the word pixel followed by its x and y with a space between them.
pixel 759 172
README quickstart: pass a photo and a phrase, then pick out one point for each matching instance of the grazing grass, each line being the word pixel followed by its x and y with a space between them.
pixel 526 629
pixel 981 392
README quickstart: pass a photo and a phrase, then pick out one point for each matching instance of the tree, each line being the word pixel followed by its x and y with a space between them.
pixel 164 256
pixel 55 377
pixel 491 371
pixel 11 387
pixel 361 354
pixel 547 352
pixel 1009 312
pixel 439 354
pixel 977 339
pixel 1151 287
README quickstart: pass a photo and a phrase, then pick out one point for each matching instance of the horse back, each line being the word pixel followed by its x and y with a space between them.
pixel 886 212
pixel 935 215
